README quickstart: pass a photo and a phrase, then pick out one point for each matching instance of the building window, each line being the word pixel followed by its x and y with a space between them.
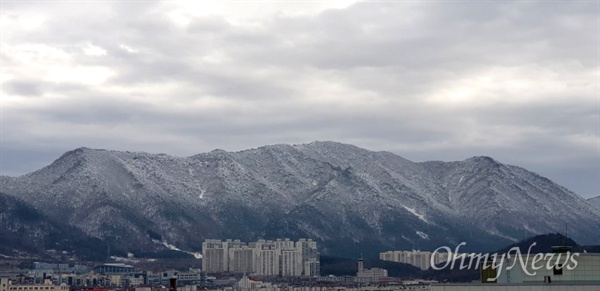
pixel 558 269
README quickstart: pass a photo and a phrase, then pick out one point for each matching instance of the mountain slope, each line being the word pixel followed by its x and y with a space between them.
pixel 595 202
pixel 510 201
pixel 25 232
pixel 336 193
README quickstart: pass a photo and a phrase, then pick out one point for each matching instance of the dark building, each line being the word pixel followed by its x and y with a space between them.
pixel 116 268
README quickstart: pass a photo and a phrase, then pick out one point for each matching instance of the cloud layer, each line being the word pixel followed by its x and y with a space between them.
pixel 517 81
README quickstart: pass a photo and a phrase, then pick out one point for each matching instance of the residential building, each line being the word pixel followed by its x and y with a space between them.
pixel 241 259
pixel 291 262
pixel 310 257
pixel 215 256
pixel 418 259
pixel 281 257
pixel 114 268
pixel 266 261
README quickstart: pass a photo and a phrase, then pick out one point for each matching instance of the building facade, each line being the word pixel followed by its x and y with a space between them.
pixel 419 259
pixel 549 273
pixel 6 285
pixel 215 254
pixel 281 257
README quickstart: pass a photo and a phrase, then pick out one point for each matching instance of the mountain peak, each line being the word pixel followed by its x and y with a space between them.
pixel 327 143
pixel 81 152
pixel 485 159
pixel 332 146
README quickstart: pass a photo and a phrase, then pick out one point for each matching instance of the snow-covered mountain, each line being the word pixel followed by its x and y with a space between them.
pixel 348 198
pixel 595 201
pixel 24 232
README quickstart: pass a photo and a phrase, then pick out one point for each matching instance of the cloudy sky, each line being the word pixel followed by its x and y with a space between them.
pixel 436 80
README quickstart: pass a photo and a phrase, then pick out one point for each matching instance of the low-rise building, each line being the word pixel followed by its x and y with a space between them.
pixel 419 259
pixel 549 273
pixel 247 284
pixel 114 268
pixel 369 275
pixel 6 285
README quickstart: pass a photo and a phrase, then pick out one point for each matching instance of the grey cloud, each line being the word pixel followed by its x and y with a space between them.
pixel 29 88
pixel 387 57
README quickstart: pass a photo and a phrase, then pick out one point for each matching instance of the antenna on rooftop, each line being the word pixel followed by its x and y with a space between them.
pixel 566 236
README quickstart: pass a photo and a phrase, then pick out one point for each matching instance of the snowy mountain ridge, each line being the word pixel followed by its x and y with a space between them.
pixel 595 201
pixel 346 197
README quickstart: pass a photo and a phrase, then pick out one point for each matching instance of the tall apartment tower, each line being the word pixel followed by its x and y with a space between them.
pixel 310 257
pixel 241 259
pixel 291 258
pixel 281 257
pixel 267 256
pixel 214 256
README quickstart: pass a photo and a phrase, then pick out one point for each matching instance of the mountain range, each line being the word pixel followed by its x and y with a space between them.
pixel 349 199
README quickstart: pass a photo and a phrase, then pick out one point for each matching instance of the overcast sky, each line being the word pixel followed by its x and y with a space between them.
pixel 517 81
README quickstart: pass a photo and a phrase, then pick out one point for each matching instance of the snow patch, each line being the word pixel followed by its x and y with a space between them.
pixel 415 213
pixel 423 235
pixel 174 248
pixel 170 246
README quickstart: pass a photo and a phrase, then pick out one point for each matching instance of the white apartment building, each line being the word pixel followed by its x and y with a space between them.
pixel 312 268
pixel 291 262
pixel 310 257
pixel 418 259
pixel 241 260
pixel 266 261
pixel 215 256
pixel 265 257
